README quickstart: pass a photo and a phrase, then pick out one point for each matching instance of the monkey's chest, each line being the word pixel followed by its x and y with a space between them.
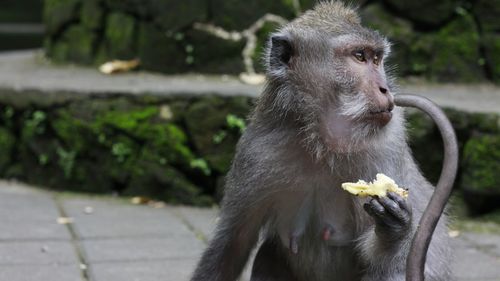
pixel 311 220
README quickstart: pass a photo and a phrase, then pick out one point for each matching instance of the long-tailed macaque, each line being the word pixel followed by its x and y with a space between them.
pixel 326 116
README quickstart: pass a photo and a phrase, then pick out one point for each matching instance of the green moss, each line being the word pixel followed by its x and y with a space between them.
pixel 481 166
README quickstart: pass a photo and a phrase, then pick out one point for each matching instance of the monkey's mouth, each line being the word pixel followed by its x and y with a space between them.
pixel 381 116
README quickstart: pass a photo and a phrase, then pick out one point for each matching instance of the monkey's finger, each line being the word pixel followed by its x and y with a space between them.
pixel 403 204
pixel 377 213
pixel 393 208
pixel 389 205
pixel 375 209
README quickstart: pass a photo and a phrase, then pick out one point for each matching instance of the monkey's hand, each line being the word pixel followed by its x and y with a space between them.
pixel 392 216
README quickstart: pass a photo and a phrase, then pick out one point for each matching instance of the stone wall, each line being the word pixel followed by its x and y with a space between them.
pixel 21 24
pixel 178 149
pixel 451 40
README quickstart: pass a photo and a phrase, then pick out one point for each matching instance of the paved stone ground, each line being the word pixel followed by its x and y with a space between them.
pixel 112 239
pixel 26 73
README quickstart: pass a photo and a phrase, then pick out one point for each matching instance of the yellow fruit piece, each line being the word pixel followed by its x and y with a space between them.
pixel 379 187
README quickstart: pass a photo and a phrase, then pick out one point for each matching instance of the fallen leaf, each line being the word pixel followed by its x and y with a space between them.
pixel 139 200
pixel 116 66
pixel 88 210
pixel 64 220
pixel 453 233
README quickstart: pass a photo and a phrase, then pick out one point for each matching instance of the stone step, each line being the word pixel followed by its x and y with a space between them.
pixel 22 28
pixel 27 72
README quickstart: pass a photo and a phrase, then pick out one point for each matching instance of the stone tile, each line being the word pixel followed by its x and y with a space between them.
pixel 472 264
pixel 37 253
pixel 169 270
pixel 127 249
pixel 28 214
pixel 485 242
pixel 40 273
pixel 202 219
pixel 113 218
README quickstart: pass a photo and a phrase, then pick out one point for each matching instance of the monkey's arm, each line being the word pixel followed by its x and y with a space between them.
pixel 245 207
pixel 227 253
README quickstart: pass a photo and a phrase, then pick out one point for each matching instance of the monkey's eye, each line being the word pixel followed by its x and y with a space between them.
pixel 376 60
pixel 359 55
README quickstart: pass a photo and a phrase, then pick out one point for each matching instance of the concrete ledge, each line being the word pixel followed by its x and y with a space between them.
pixel 28 74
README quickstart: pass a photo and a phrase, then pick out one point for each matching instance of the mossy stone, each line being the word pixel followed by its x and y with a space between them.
pixel 456 52
pixel 120 36
pixel 485 122
pixel 426 144
pixel 209 54
pixel 7 143
pixel 206 118
pixel 161 51
pixel 491 45
pixel 239 15
pixel 57 51
pixel 58 13
pixel 399 31
pixel 92 14
pixel 139 8
pixel 163 182
pixel 486 12
pixel 21 11
pixel 177 15
pixel 166 14
pixel 427 13
pixel 76 44
pixel 481 167
pixel 80 44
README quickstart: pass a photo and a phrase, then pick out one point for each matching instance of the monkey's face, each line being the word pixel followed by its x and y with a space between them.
pixel 362 102
pixel 336 85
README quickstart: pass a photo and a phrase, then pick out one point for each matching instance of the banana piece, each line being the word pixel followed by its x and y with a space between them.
pixel 379 187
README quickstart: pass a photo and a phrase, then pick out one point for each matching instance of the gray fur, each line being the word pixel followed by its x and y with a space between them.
pixel 285 179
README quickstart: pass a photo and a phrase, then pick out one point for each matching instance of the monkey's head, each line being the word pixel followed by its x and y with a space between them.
pixel 326 71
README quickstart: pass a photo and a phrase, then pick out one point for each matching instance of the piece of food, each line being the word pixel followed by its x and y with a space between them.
pixel 379 187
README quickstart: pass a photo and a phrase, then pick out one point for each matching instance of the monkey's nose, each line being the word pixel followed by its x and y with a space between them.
pixel 382 90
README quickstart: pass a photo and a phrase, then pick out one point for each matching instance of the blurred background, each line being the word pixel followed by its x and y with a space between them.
pixel 167 127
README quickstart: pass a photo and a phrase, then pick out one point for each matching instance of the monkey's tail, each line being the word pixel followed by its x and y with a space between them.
pixel 415 263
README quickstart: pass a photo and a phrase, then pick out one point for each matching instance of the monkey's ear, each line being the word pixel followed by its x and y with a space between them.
pixel 280 52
